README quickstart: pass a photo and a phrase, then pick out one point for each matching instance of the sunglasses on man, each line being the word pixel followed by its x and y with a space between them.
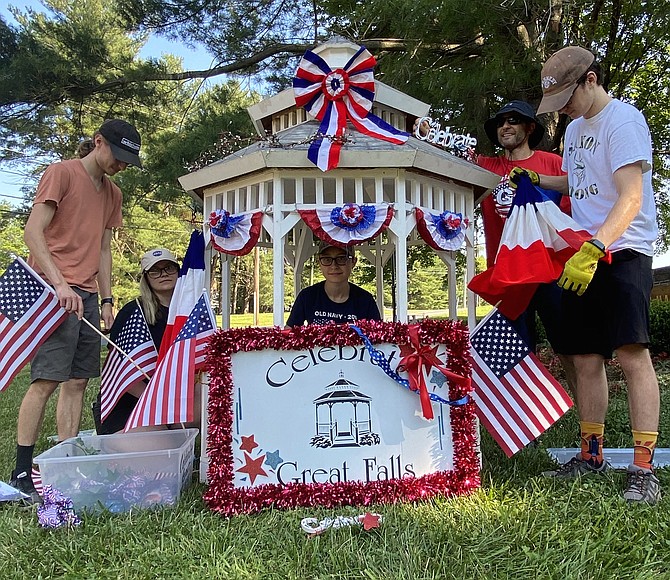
pixel 511 120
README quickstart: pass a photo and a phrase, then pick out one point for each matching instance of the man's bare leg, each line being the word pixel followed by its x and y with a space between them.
pixel 68 410
pixel 31 412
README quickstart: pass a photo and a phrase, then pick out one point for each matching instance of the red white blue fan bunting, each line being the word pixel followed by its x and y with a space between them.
pixel 234 234
pixel 444 231
pixel 335 96
pixel 347 225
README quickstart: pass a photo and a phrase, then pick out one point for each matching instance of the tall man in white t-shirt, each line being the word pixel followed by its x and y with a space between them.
pixel 608 156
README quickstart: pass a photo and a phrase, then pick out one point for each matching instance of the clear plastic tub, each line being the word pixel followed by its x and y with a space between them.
pixel 121 471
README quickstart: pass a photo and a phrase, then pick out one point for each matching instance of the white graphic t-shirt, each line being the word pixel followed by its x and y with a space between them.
pixel 594 149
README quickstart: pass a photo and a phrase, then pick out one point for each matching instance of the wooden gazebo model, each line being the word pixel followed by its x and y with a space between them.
pixel 277 178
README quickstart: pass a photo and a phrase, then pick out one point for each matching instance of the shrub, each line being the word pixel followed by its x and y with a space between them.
pixel 660 326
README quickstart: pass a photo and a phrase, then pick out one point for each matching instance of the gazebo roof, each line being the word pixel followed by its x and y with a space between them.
pixel 289 151
pixel 342 395
pixel 340 390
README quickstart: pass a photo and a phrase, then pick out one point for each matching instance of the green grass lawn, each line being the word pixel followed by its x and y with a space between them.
pixel 518 525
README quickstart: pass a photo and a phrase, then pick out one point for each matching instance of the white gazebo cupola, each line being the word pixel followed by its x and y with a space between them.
pixel 339 166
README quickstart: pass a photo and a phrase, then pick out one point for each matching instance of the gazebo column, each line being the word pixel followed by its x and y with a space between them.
pixel 225 290
pixel 449 260
pixel 471 299
pixel 303 248
pixel 277 253
pixel 379 273
pixel 398 229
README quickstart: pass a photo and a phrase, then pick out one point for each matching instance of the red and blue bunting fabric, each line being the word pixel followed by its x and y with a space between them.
pixel 349 224
pixel 335 96
pixel 442 232
pixel 234 234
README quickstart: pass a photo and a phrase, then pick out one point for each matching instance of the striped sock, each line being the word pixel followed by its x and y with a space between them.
pixel 643 451
pixel 592 442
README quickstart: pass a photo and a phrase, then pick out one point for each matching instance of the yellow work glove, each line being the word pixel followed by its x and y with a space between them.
pixel 517 172
pixel 579 269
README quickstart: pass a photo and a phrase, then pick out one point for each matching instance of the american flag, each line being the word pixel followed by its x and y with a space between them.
pixel 169 396
pixel 517 399
pixel 29 313
pixel 119 372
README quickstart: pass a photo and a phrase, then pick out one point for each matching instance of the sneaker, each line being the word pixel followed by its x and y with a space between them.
pixel 642 486
pixel 576 467
pixel 24 483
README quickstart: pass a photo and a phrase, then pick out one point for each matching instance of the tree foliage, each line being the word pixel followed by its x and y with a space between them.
pixel 65 70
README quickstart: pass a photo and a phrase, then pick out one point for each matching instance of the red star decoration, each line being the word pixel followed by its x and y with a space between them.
pixel 253 467
pixel 248 443
pixel 370 521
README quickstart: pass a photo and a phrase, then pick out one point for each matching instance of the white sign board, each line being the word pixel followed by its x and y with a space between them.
pixel 329 415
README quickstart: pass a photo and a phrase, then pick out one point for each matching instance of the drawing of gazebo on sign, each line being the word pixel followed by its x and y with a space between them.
pixel 343 417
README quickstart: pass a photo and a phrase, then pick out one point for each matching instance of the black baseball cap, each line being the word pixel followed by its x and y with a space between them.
pixel 523 109
pixel 123 139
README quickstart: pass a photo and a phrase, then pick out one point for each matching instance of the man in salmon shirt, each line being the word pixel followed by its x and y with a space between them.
pixel 68 234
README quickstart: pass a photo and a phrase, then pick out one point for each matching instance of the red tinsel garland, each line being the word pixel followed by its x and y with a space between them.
pixel 221 495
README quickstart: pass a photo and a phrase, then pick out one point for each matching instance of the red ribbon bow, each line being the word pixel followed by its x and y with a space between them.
pixel 415 359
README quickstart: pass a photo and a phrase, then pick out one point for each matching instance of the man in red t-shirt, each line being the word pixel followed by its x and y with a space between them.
pixel 518 131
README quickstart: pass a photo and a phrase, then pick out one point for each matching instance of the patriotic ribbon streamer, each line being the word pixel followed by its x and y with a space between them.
pixel 442 232
pixel 335 96
pixel 234 234
pixel 57 510
pixel 314 527
pixel 415 358
pixel 349 224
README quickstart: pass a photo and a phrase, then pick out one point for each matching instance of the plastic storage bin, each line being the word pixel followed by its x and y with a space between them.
pixel 121 471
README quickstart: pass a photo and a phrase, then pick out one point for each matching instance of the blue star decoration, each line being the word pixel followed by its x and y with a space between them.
pixel 437 378
pixel 273 459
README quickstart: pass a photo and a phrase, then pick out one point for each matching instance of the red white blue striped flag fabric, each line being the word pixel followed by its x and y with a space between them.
pixel 234 234
pixel 169 395
pixel 335 96
pixel 349 224
pixel 188 288
pixel 442 232
pixel 29 313
pixel 517 398
pixel 119 373
pixel 537 239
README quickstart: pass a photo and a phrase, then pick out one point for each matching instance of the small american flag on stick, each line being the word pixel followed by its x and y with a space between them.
pixel 517 399
pixel 121 370
pixel 168 398
pixel 29 313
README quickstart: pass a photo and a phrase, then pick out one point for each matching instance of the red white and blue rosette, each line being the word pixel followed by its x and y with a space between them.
pixel 335 96
pixel 349 224
pixel 234 234
pixel 442 232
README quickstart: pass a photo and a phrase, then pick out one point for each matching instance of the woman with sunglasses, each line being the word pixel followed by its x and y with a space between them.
pixel 335 299
pixel 160 270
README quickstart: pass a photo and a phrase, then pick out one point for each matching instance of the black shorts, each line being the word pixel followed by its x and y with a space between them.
pixel 546 303
pixel 614 310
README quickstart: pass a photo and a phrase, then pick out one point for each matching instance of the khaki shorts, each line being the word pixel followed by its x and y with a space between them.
pixel 73 350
